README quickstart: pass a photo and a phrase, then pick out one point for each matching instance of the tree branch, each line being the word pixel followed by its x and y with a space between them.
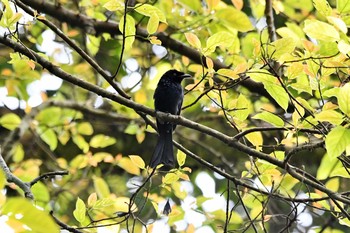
pixel 228 140
pixel 97 27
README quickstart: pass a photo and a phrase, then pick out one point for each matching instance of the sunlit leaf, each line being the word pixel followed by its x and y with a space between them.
pixel 170 178
pixel 283 46
pixel 279 94
pixel 235 18
pixel 30 216
pixel 228 73
pixel 338 23
pixel 138 161
pixel 238 4
pixel 49 136
pixel 130 30
pixel 101 141
pixel 343 6
pixel 149 10
pixel 81 143
pixel 85 128
pixel 330 116
pixel 101 187
pixel 193 40
pixel 337 140
pixel 153 23
pixel 256 139
pixel 92 199
pixel 181 158
pixel 129 166
pixel 114 5
pixel 270 118
pixel 10 121
pixel 323 7
pixel 344 99
pixel 223 38
pixel 321 31
pixel 333 184
pixel 80 210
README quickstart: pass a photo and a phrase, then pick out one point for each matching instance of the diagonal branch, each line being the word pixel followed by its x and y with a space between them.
pixel 297 173
pixel 97 27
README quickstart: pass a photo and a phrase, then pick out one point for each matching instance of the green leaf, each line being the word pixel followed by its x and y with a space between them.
pixel 262 76
pixel 235 18
pixel 49 136
pixel 321 31
pixel 194 5
pixel 101 187
pixel 330 116
pixel 326 166
pixel 170 178
pixel 18 153
pixel 343 6
pixel 41 192
pixel 101 141
pixel 224 39
pixel 271 86
pixel 153 23
pixel 323 7
pixel 283 46
pixel 50 116
pixel 80 210
pixel 30 216
pixel 10 121
pixel 81 143
pixel 85 128
pixel 114 5
pixel 337 140
pixel 279 94
pixel 2 179
pixel 130 30
pixel 149 10
pixel 344 99
pixel 270 118
pixel 243 108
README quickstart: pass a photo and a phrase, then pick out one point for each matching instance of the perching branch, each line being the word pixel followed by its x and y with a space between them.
pixel 302 176
pixel 97 27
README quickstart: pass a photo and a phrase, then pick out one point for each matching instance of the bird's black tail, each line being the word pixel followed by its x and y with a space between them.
pixel 164 154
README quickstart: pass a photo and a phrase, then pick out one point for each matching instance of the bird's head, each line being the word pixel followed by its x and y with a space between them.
pixel 176 75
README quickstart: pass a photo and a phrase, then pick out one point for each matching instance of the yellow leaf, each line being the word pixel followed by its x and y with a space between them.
pixel 154 40
pixel 122 205
pixel 238 4
pixel 101 187
pixel 212 4
pixel 170 178
pixel 153 23
pixel 138 161
pixel 228 73
pixel 338 23
pixel 256 139
pixel 333 184
pixel 129 166
pixel 92 199
pixel 181 158
pixel 193 40
pixel 210 64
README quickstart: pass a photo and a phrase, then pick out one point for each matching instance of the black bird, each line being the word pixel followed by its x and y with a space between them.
pixel 168 98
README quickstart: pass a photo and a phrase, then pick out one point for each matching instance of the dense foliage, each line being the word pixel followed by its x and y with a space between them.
pixel 262 143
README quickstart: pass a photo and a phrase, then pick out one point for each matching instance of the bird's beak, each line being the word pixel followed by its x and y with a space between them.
pixel 186 76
